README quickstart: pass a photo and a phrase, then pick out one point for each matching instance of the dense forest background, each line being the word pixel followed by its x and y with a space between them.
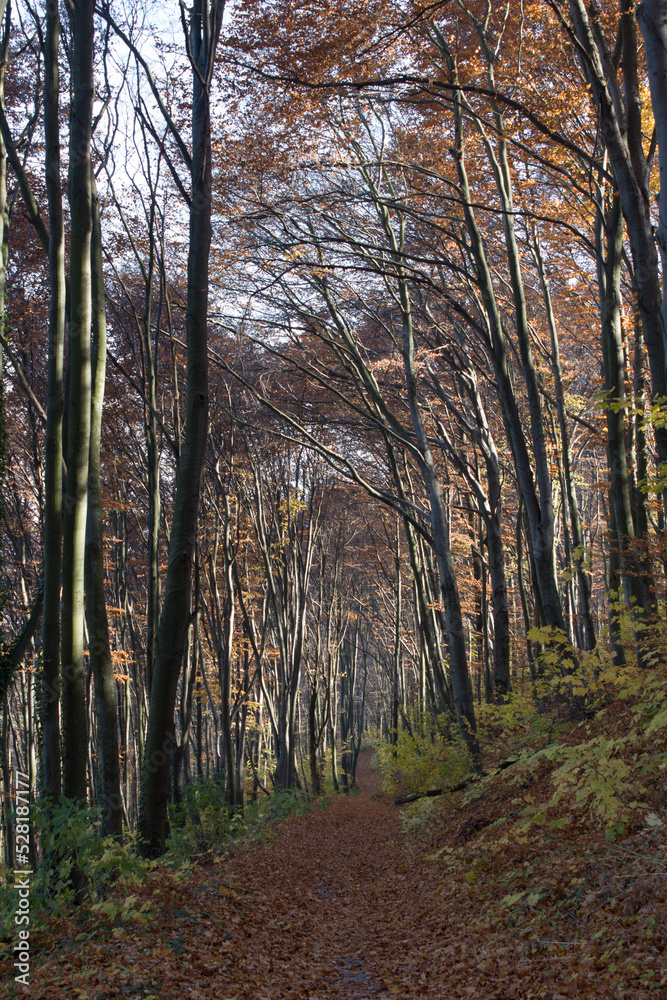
pixel 334 389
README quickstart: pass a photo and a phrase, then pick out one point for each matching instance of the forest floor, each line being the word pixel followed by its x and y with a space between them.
pixel 347 903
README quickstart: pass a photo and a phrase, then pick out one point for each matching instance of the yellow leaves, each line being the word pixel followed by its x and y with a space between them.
pixel 526 896
pixel 657 722
pixel 129 908
pixel 437 855
pixel 419 761
pixel 605 780
pixel 594 777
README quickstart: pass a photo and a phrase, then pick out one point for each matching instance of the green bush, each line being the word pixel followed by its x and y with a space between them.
pixel 425 757
pixel 204 820
pixel 77 864
pixel 71 836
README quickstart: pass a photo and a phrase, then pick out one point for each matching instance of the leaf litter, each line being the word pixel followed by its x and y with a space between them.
pixel 347 904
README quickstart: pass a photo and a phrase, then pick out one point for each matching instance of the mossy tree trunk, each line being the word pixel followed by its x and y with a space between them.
pixel 78 417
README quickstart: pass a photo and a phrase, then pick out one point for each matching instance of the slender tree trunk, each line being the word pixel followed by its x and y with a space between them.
pixel 649 589
pixel 428 628
pixel 396 659
pixel 96 611
pixel 53 444
pixel 182 775
pixel 521 579
pixel 78 423
pixel 458 660
pixel 615 593
pixel 153 460
pixel 10 854
pixel 313 744
pixel 174 618
pixel 566 452
pixel 199 744
pixel 652 17
pixel 227 653
pixel 614 369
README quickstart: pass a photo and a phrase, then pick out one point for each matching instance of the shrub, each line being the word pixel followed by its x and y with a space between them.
pixel 76 861
pixel 204 820
pixel 423 757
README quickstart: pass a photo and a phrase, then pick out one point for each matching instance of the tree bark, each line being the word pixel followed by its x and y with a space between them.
pixel 174 618
pixel 616 409
pixel 108 764
pixel 566 452
pixel 652 17
pixel 53 444
pixel 626 157
pixel 78 425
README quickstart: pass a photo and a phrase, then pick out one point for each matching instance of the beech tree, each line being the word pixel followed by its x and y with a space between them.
pixel 203 32
pixel 53 448
pixel 619 107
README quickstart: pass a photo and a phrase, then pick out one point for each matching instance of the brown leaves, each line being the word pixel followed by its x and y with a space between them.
pixel 342 906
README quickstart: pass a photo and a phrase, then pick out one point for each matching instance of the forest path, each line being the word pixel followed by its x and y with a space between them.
pixel 340 904
pixel 348 903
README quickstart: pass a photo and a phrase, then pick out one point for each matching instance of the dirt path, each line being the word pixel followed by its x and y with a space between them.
pixel 348 901
pixel 339 905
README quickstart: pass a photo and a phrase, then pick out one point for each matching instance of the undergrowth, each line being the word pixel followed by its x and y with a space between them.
pixel 80 868
pixel 598 731
pixel 426 755
pixel 204 820
pixel 561 848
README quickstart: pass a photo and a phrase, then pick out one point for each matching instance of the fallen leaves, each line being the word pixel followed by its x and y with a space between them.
pixel 341 905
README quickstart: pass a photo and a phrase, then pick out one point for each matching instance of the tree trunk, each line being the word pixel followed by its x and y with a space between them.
pixel 175 614
pixel 96 611
pixel 566 452
pixel 652 17
pixel 53 444
pixel 640 504
pixel 78 421
pixel 626 157
pixel 614 370
pixel 458 660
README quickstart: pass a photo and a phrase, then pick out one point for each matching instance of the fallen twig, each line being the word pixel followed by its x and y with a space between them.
pixel 455 788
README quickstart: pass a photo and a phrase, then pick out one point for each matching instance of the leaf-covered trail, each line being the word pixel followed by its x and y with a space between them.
pixel 340 905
